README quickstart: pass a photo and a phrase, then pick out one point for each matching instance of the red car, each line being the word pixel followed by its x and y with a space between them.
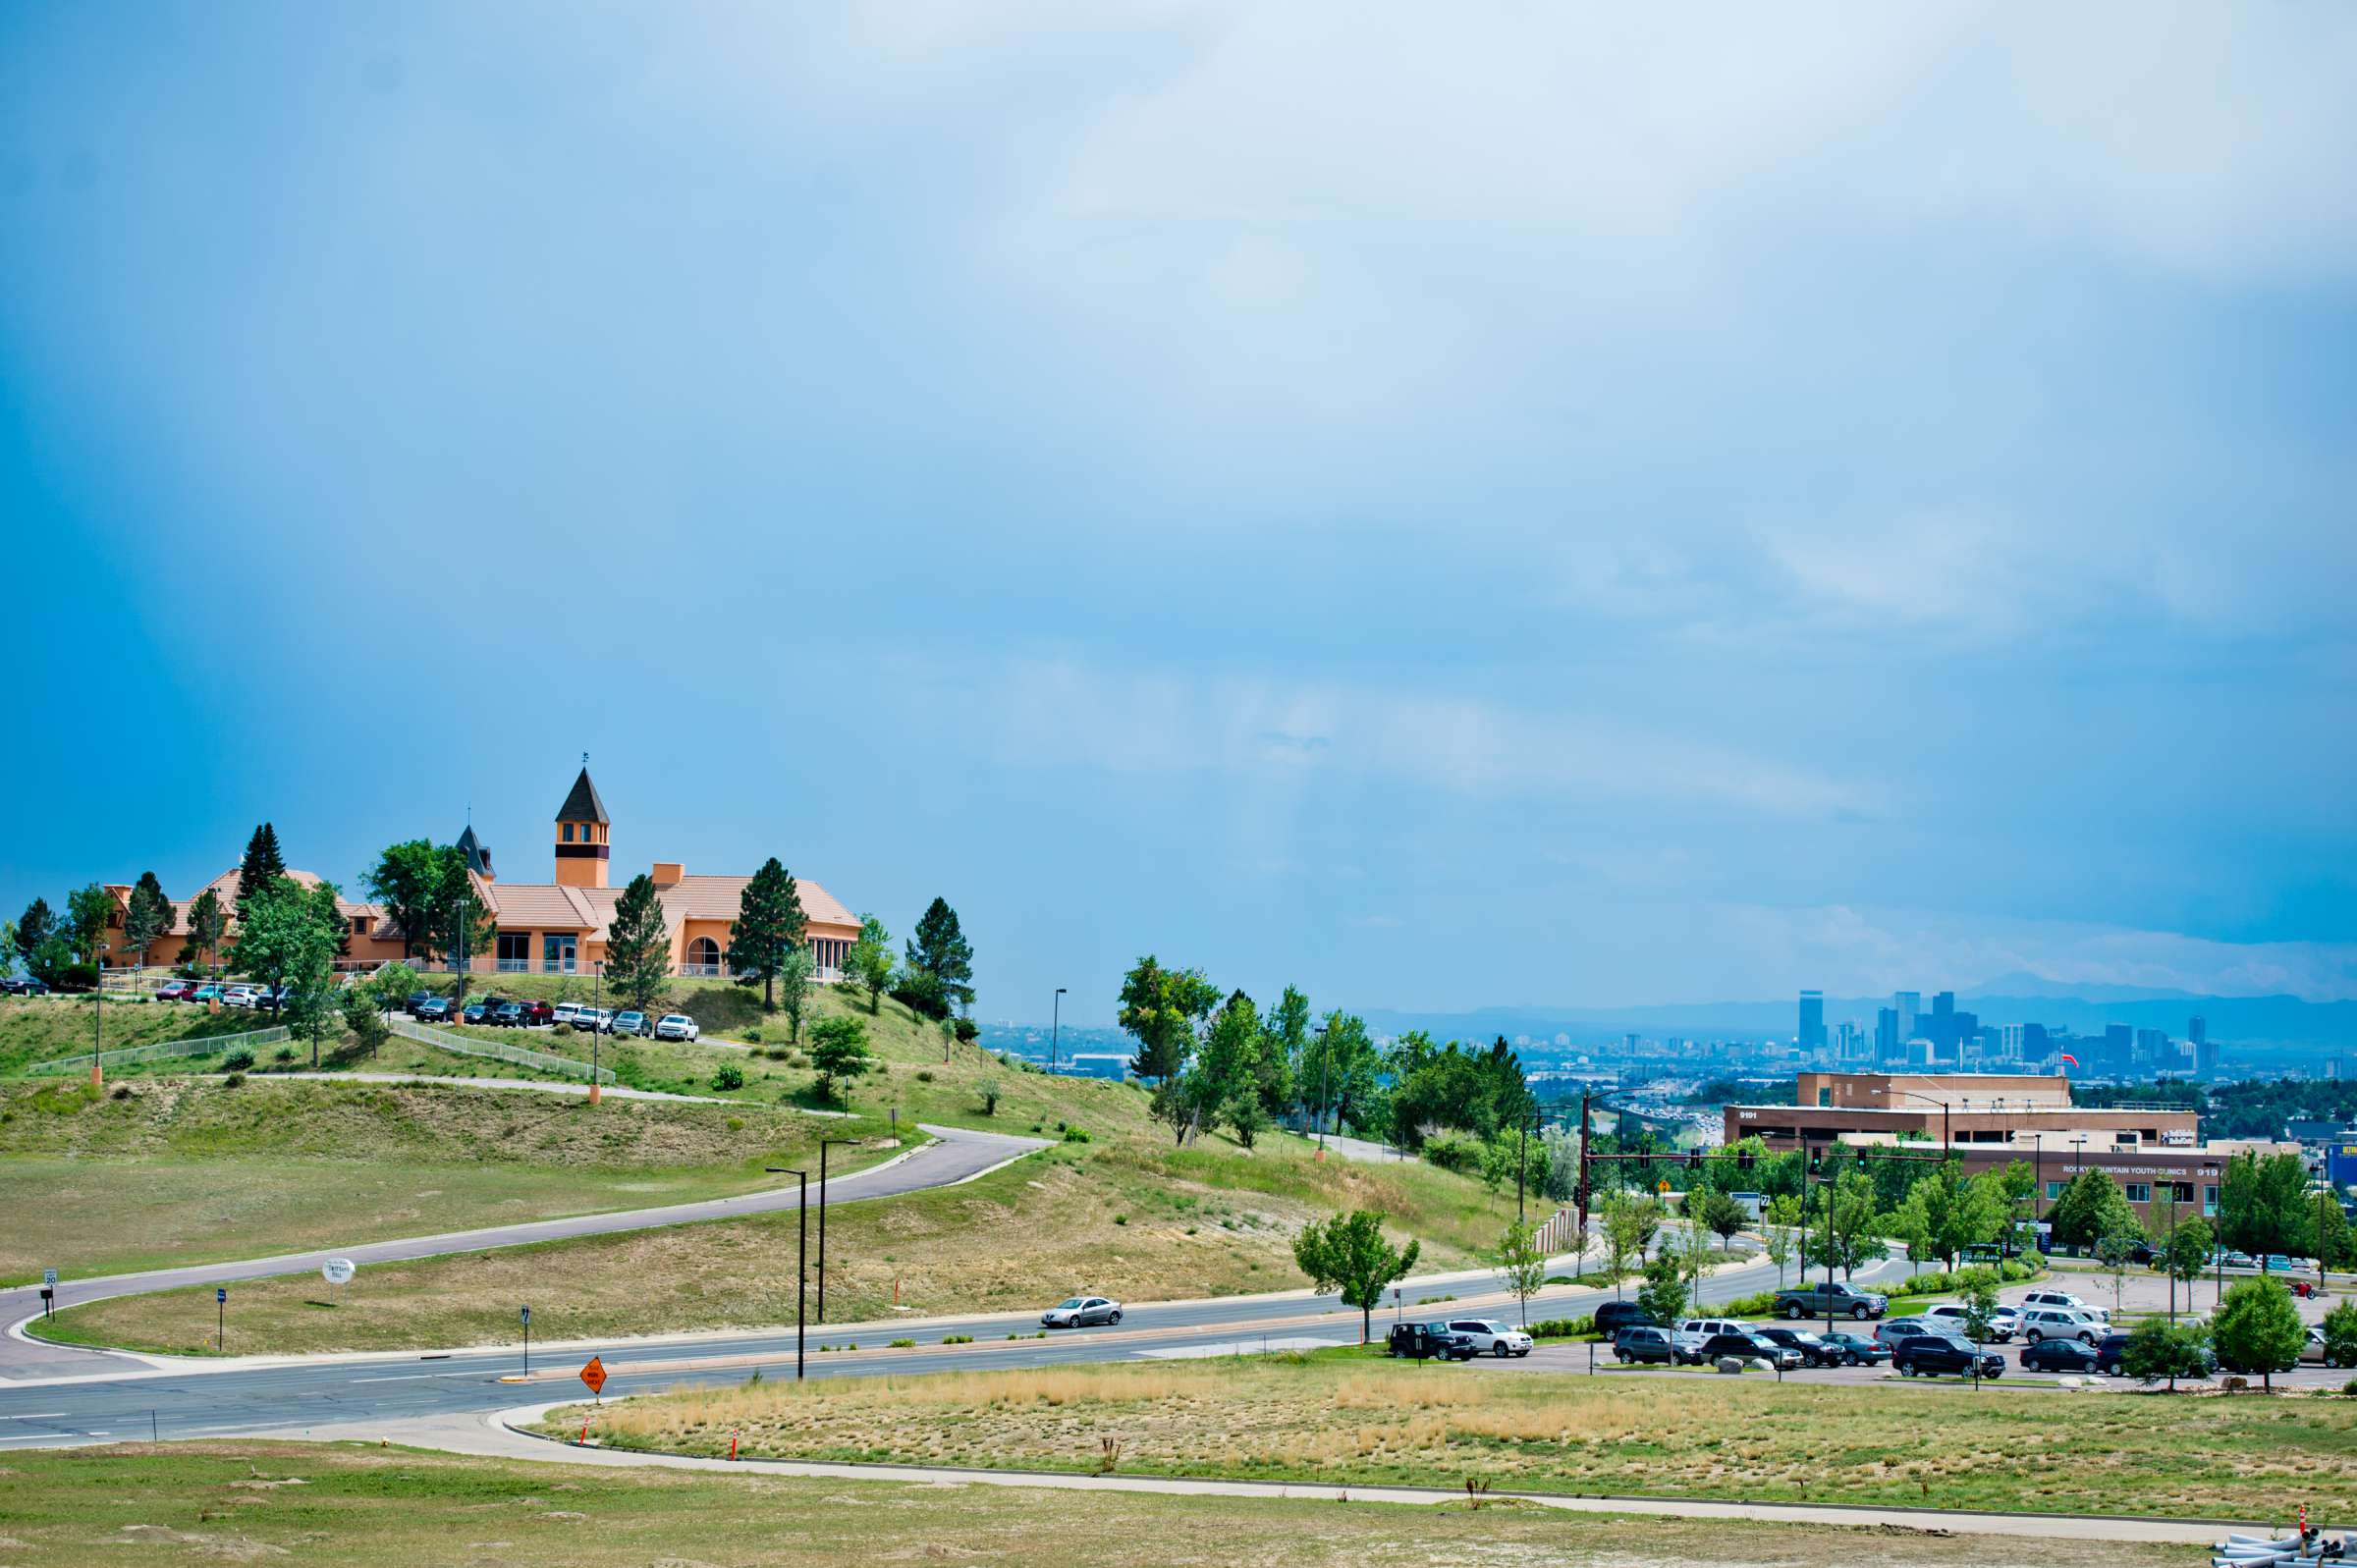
pixel 537 1012
pixel 176 991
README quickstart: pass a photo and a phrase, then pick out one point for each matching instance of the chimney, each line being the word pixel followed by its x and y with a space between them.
pixel 667 873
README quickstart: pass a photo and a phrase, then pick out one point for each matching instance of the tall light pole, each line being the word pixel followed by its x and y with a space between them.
pixel 98 1018
pixel 1055 1027
pixel 824 1144
pixel 598 1010
pixel 802 1247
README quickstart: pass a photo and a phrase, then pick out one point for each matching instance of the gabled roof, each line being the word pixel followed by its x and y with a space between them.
pixel 582 806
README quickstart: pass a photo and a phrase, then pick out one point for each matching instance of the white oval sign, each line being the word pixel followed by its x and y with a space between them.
pixel 338 1270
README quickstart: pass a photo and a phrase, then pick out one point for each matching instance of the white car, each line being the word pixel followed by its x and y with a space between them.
pixel 241 995
pixel 1078 1312
pixel 597 1020
pixel 675 1026
pixel 2067 1302
pixel 2059 1323
pixel 1704 1326
pixel 1492 1337
pixel 1949 1318
pixel 567 1012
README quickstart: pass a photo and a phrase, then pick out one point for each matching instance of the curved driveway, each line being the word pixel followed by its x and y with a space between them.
pixel 958 1156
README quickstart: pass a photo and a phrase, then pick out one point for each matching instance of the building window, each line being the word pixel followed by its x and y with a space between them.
pixel 555 952
pixel 1825 1098
pixel 2139 1191
pixel 2180 1192
pixel 2209 1200
pixel 704 958
pixel 567 831
pixel 515 952
pixel 2054 1190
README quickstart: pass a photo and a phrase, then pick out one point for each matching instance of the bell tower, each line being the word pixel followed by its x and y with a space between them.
pixel 582 834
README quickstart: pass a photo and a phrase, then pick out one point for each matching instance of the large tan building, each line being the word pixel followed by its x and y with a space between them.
pixel 559 926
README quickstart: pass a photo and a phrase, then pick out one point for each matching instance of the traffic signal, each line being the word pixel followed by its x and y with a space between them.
pixel 1816 1161
pixel 1694 1160
pixel 1745 1159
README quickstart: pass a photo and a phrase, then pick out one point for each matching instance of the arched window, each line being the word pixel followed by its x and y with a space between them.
pixel 703 957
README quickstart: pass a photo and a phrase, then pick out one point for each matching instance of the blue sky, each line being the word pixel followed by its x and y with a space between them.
pixel 1546 508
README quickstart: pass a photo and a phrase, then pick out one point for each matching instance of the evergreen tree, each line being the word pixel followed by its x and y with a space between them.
pixel 769 925
pixel 868 964
pixel 262 865
pixel 33 928
pixel 208 923
pixel 638 946
pixel 147 916
pixel 939 950
pixel 794 989
pixel 1280 1058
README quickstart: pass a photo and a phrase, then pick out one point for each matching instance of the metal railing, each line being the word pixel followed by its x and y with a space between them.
pixel 206 1046
pixel 496 1051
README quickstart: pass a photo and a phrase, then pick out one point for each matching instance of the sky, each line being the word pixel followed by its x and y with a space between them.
pixel 1506 505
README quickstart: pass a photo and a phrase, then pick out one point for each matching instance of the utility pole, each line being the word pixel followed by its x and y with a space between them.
pixel 824 1144
pixel 98 1018
pixel 597 1009
pixel 802 1247
pixel 1055 1033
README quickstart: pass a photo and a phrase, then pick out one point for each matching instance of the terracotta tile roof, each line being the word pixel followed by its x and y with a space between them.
pixel 539 906
pixel 225 888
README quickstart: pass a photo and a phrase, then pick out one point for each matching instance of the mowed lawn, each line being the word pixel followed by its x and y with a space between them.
pixel 346 1506
pixel 191 1171
pixel 1128 1215
pixel 1337 1418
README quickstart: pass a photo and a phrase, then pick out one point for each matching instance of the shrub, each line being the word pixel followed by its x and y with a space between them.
pixel 1120 1219
pixel 1761 1305
pixel 988 1089
pixel 234 1080
pixel 925 1076
pixel 967 1029
pixel 236 1061
pixel 561 1030
pixel 1453 1152
pixel 901 1344
pixel 778 1054
pixel 283 1053
pixel 1562 1327
pixel 1074 1135
pixel 957 1339
pixel 730 1076
pixel 753 1037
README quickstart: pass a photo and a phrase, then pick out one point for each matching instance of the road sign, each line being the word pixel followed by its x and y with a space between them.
pixel 220 1294
pixel 1661 1186
pixel 594 1375
pixel 528 1314
pixel 338 1270
pixel 49 1276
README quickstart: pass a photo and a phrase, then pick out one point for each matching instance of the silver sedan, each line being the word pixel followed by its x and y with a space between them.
pixel 1078 1312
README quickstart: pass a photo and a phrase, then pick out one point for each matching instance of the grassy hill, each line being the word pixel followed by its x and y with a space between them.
pixel 180 1170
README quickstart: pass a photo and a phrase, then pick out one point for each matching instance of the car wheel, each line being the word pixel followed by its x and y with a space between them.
pixel 1501 1350
pixel 2111 1369
pixel 1792 1311
pixel 1117 1316
pixel 1859 1312
pixel 1850 1360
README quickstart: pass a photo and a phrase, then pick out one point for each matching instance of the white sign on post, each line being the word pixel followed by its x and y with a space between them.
pixel 338 1270
pixel 49 1276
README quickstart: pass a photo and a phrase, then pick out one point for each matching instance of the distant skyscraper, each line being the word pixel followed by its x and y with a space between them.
pixel 2197 1030
pixel 1906 1004
pixel 1888 1038
pixel 1944 1003
pixel 1812 1020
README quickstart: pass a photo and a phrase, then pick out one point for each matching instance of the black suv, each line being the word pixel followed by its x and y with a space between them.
pixel 417 1000
pixel 1744 1347
pixel 507 1014
pixel 1424 1341
pixel 1615 1315
pixel 1813 1348
pixel 433 1009
pixel 2058 1355
pixel 1643 1342
pixel 1931 1355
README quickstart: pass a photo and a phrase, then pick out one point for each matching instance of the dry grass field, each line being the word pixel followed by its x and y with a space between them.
pixel 342 1506
pixel 1339 1418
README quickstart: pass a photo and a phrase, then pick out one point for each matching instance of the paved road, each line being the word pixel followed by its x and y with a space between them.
pixel 321 1393
pixel 958 1156
pixel 543 1086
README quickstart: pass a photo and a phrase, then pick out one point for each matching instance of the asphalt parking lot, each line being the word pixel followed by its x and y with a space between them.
pixel 1564 1356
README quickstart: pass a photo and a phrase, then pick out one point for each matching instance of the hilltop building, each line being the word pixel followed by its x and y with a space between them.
pixel 559 926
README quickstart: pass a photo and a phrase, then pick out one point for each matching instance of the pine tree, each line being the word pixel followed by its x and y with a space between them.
pixel 147 916
pixel 637 946
pixel 769 925
pixel 869 962
pixel 208 922
pixel 33 928
pixel 939 950
pixel 262 865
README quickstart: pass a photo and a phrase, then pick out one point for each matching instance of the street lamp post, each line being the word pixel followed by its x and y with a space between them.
pixel 598 1010
pixel 824 1144
pixel 98 1017
pixel 801 1215
pixel 1055 1027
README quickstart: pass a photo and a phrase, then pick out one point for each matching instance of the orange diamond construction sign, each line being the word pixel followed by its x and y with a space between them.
pixel 594 1375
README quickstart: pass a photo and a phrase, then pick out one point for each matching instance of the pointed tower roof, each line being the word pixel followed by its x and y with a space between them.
pixel 582 806
pixel 477 853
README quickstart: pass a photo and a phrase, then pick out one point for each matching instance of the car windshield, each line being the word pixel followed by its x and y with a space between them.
pixel 1069 1301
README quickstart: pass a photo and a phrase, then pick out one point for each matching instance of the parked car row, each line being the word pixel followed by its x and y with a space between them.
pixel 23 986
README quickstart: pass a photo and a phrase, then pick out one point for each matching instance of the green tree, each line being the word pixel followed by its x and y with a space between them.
pixel 2115 1250
pixel 1779 1232
pixel 2333 1246
pixel 2184 1255
pixel 146 915
pixel 1714 1211
pixel 1288 1026
pixel 1910 1224
pixel 1347 1253
pixel 2259 1330
pixel 2091 1208
pixel 769 925
pixel 1980 1310
pixel 34 927
pixel 794 989
pixel 1159 1008
pixel 1341 1068
pixel 1662 1295
pixel 261 867
pixel 390 987
pixel 88 911
pixel 838 1052
pixel 1521 1265
pixel 638 946
pixel 868 964
pixel 2263 1204
pixel 459 923
pixel 2160 1348
pixel 1849 1242
pixel 1628 1220
pixel 364 1018
pixel 1247 1116
pixel 2341 1335
pixel 208 924
pixel 287 940
pixel 939 948
pixel 409 880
